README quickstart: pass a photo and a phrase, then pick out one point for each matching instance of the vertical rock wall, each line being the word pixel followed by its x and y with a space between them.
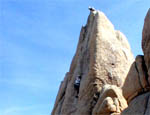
pixel 103 56
pixel 136 88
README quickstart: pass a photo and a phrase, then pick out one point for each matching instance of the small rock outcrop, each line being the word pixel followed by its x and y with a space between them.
pixel 111 101
pixel 112 82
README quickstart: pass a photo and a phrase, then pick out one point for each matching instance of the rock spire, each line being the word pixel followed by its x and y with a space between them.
pixel 112 81
pixel 103 58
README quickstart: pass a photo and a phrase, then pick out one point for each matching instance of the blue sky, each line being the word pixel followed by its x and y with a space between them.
pixel 38 39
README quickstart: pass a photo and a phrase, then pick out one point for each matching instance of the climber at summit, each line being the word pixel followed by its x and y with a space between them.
pixel 77 84
pixel 91 8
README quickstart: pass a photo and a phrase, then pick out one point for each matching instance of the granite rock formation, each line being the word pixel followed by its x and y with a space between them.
pixel 112 81
pixel 136 88
pixel 146 42
pixel 103 56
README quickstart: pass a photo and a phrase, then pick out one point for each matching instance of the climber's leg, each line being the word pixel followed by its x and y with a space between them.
pixel 77 89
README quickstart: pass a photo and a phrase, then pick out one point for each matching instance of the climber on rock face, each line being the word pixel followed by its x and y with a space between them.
pixel 77 84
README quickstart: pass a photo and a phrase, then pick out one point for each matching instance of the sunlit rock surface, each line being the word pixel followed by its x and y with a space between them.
pixel 103 57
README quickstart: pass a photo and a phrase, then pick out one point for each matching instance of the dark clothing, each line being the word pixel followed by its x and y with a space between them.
pixel 76 86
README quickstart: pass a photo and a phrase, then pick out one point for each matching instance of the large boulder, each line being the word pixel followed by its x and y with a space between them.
pixel 136 88
pixel 103 56
pixel 139 105
pixel 136 80
pixel 146 41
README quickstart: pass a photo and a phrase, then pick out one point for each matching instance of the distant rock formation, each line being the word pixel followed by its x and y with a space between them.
pixel 112 81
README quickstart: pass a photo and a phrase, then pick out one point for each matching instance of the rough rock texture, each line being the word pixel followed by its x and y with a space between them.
pixel 136 88
pixel 139 105
pixel 112 83
pixel 137 79
pixel 103 56
pixel 110 101
pixel 146 41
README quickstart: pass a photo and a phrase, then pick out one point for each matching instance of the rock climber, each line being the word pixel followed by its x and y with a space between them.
pixel 77 84
pixel 91 8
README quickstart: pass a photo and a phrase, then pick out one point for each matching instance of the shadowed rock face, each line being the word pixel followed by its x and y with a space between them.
pixel 137 79
pixel 103 56
pixel 139 105
pixel 146 41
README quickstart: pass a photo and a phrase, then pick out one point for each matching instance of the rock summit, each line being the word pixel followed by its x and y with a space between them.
pixel 112 81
